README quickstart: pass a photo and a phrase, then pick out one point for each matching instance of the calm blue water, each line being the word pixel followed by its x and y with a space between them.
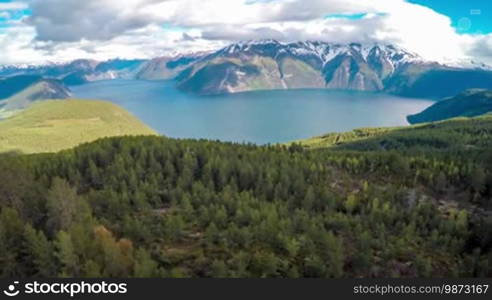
pixel 258 117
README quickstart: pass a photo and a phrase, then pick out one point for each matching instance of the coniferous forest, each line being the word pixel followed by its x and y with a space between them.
pixel 406 203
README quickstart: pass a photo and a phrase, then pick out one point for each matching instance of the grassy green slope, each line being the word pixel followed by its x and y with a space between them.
pixel 50 126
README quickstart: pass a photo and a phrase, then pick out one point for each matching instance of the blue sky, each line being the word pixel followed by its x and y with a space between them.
pixel 11 14
pixel 468 16
pixel 53 30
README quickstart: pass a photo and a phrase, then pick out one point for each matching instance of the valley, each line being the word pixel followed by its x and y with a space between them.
pixel 286 139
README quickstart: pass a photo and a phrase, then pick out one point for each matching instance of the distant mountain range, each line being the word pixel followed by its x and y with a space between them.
pixel 470 103
pixel 78 71
pixel 269 64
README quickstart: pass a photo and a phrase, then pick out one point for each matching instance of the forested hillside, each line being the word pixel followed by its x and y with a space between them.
pixel 459 134
pixel 150 206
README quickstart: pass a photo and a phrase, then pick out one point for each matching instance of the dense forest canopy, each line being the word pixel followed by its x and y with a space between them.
pixel 399 203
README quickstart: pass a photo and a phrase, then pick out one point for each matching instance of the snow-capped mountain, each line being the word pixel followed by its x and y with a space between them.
pixel 321 51
pixel 269 64
pixel 466 64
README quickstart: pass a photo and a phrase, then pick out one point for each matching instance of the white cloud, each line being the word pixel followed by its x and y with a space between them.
pixel 197 13
pixel 412 26
pixel 73 20
pixel 68 29
pixel 423 30
pixel 481 48
pixel 4 14
pixel 13 6
pixel 16 46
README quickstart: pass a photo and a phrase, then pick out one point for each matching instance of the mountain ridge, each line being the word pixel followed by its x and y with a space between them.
pixel 266 64
pixel 270 64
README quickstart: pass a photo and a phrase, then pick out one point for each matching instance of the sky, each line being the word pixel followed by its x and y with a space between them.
pixel 40 31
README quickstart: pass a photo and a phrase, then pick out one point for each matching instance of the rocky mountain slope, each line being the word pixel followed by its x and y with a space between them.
pixel 167 67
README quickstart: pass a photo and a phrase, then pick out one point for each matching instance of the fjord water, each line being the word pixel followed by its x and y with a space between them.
pixel 259 117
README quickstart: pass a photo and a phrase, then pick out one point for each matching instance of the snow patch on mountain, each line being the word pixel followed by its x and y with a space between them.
pixel 323 51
